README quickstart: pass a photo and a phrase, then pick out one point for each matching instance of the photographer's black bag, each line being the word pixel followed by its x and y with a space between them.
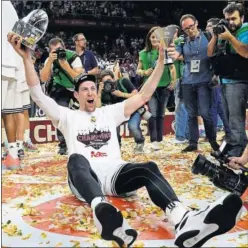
pixel 230 66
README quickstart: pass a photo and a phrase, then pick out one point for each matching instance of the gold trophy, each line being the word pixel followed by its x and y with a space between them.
pixel 166 36
pixel 32 28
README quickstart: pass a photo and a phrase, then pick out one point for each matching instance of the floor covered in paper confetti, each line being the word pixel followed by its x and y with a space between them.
pixel 38 209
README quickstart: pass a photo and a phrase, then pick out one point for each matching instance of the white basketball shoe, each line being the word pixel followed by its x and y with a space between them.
pixel 112 226
pixel 197 227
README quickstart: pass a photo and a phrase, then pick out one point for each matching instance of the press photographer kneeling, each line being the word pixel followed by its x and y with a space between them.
pixel 228 49
pixel 60 68
pixel 110 92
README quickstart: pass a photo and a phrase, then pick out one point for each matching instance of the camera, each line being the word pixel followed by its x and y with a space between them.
pixel 221 176
pixel 220 27
pixel 214 82
pixel 61 53
pixel 109 86
pixel 145 114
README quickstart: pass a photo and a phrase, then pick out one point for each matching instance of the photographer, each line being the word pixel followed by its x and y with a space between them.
pixel 217 108
pixel 234 31
pixel 61 67
pixel 197 75
pixel 226 49
pixel 111 92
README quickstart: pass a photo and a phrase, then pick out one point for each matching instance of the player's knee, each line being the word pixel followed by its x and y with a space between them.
pixel 77 161
pixel 152 166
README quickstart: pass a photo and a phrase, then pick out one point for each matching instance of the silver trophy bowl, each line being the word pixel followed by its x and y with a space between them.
pixel 166 36
pixel 31 28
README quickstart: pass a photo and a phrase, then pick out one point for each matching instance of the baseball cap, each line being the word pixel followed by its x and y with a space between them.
pixel 83 78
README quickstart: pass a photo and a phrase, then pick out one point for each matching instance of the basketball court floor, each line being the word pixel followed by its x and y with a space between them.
pixel 38 209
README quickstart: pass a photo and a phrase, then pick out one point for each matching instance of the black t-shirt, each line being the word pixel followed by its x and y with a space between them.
pixel 124 85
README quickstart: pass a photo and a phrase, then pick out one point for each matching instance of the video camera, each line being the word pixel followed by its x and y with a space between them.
pixel 219 28
pixel 222 176
pixel 61 53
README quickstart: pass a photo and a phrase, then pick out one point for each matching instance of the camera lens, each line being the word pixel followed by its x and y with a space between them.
pixel 204 167
pixel 62 55
pixel 199 165
pixel 108 86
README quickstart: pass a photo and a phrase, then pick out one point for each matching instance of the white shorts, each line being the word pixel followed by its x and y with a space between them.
pixel 13 101
pixel 107 184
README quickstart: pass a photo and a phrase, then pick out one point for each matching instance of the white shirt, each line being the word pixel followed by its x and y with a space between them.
pixel 92 135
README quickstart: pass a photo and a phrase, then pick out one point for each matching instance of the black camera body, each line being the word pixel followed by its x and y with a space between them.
pixel 221 176
pixel 220 27
pixel 109 86
pixel 214 82
pixel 61 53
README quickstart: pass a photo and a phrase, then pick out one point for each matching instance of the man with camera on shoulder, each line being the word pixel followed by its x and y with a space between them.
pixel 111 92
pixel 228 49
pixel 59 71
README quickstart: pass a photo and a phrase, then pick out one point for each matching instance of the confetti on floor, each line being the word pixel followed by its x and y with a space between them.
pixel 38 209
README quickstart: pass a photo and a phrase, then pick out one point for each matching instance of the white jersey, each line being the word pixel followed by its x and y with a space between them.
pixel 92 135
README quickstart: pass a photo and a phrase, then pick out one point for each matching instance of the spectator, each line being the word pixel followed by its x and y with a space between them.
pixel 158 102
pixel 181 114
pixel 87 57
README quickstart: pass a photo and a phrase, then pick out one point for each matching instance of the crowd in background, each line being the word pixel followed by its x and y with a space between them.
pixel 151 12
pixel 119 42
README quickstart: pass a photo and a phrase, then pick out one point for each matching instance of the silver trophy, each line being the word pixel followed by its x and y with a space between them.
pixel 166 36
pixel 32 28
